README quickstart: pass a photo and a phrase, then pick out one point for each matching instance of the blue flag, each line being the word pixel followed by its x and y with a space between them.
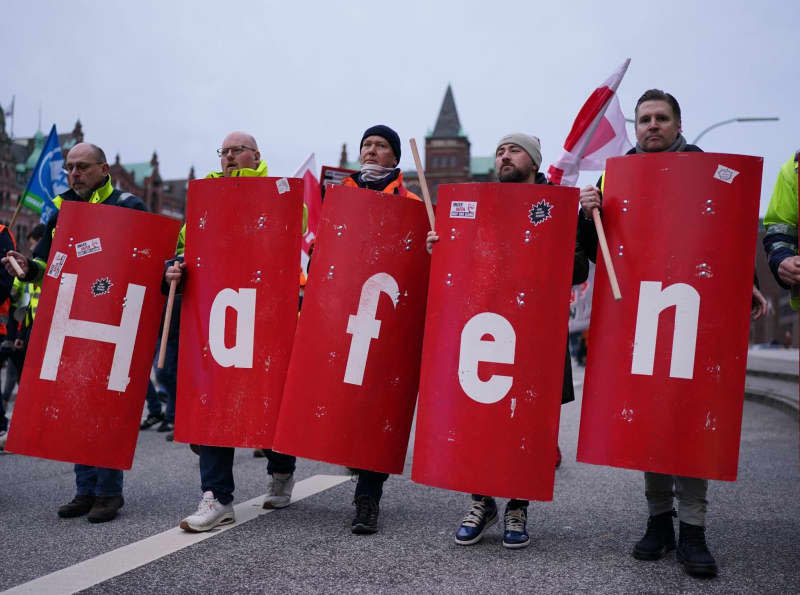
pixel 48 179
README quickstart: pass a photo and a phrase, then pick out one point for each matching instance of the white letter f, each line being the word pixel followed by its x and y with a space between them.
pixel 364 326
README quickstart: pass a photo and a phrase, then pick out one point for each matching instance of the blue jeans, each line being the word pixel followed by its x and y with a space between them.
pixel 152 400
pixel 168 376
pixel 98 481
pixel 216 469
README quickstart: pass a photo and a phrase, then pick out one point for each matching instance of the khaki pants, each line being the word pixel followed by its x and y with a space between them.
pixel 659 490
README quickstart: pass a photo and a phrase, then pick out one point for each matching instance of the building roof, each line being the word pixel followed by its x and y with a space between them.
pixel 481 165
pixel 447 124
pixel 139 171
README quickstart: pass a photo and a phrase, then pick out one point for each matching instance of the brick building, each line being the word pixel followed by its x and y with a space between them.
pixel 18 157
pixel 448 158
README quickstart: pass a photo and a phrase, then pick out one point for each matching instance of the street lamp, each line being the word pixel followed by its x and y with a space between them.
pixel 699 136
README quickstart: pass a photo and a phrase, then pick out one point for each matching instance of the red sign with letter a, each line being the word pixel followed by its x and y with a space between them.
pixel 239 310
pixel 665 374
pixel 495 335
pixel 91 349
pixel 352 382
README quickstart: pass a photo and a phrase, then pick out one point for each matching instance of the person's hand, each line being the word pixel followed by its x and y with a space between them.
pixel 432 238
pixel 20 260
pixel 590 200
pixel 174 272
pixel 759 304
pixel 788 270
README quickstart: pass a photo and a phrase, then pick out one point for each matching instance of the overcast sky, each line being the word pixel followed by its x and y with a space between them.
pixel 175 77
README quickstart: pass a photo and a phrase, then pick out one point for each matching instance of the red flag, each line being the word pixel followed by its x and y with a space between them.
pixel 312 198
pixel 597 133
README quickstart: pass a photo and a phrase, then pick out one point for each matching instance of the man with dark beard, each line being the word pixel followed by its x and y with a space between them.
pixel 517 160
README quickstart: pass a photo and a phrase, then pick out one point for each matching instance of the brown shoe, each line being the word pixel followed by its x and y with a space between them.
pixel 80 505
pixel 105 508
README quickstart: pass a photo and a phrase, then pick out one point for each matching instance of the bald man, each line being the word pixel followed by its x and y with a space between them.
pixel 239 157
pixel 99 490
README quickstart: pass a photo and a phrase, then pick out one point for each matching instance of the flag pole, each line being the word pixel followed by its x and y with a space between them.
pixel 425 194
pixel 601 234
pixel 162 352
pixel 16 212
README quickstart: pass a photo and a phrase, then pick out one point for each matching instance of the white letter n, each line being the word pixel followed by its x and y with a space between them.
pixel 684 338
pixel 123 336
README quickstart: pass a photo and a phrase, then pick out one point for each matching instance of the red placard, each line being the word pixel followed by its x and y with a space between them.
pixel 239 310
pixel 495 334
pixel 352 382
pixel 665 374
pixel 90 352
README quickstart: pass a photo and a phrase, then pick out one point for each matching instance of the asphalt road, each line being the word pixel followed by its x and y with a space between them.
pixel 581 541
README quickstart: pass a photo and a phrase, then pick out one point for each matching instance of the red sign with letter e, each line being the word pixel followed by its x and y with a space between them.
pixel 495 334
pixel 352 382
pixel 665 375
pixel 239 310
pixel 91 349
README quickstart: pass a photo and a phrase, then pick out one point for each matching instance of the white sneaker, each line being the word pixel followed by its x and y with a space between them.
pixel 279 491
pixel 209 514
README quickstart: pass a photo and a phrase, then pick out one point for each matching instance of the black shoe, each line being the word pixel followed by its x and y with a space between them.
pixel 366 519
pixel 166 426
pixel 658 539
pixel 693 552
pixel 170 437
pixel 105 508
pixel 80 505
pixel 150 421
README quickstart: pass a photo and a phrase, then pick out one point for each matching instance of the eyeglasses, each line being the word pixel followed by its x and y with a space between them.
pixel 80 166
pixel 233 150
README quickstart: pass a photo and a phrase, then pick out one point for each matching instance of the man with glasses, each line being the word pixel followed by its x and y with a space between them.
pixel 99 490
pixel 239 157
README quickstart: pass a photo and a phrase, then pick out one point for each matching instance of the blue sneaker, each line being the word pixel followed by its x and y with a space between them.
pixel 515 535
pixel 481 516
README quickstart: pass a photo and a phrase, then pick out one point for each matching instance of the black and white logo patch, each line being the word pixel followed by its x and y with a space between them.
pixel 101 286
pixel 540 212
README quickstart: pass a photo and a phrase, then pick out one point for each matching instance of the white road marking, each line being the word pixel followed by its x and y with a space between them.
pixel 121 560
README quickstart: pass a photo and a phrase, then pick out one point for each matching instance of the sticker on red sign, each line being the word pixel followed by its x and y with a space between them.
pixel 463 209
pixel 58 263
pixel 88 247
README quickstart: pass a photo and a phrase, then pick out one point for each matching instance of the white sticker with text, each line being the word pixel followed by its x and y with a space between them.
pixel 725 174
pixel 460 209
pixel 56 265
pixel 88 247
pixel 283 185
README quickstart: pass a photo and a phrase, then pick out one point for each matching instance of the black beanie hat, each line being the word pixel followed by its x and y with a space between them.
pixel 384 132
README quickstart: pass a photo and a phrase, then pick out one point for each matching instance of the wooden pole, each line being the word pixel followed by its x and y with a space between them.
pixel 15 265
pixel 601 239
pixel 14 216
pixel 425 194
pixel 162 352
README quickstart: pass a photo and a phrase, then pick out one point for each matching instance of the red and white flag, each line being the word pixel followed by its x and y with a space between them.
pixel 597 133
pixel 312 198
